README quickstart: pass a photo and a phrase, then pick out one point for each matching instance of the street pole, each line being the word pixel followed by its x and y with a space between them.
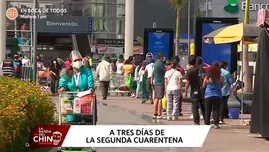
pixel 34 43
pixel 129 28
pixel 189 24
pixel 206 9
pixel 3 29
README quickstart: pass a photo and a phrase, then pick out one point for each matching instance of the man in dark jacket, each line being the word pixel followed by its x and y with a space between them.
pixel 8 67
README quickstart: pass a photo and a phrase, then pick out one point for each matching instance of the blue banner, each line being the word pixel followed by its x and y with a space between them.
pixel 215 52
pixel 158 42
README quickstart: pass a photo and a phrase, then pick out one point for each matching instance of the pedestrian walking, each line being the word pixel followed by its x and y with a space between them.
pixel 201 74
pixel 196 97
pixel 104 73
pixel 158 85
pixel 226 89
pixel 182 71
pixel 173 89
pixel 213 83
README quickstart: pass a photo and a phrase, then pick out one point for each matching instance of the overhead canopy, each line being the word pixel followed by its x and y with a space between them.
pixel 246 33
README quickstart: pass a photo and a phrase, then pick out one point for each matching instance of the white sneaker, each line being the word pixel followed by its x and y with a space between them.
pixel 175 118
pixel 169 118
pixel 191 117
pixel 154 117
pixel 212 120
pixel 221 122
pixel 159 117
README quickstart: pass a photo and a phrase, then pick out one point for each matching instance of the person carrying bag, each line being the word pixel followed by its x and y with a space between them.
pixel 173 91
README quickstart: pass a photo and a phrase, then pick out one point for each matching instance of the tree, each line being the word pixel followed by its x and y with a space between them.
pixel 245 64
pixel 178 5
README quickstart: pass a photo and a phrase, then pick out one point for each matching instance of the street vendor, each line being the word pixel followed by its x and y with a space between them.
pixel 77 78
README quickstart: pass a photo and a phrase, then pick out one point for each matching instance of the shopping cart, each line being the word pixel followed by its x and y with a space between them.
pixel 43 80
pixel 77 111
pixel 117 85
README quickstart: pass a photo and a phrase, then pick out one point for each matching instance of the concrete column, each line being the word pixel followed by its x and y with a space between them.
pixel 129 28
pixel 2 30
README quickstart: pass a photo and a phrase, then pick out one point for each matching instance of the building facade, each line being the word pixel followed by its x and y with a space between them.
pixel 222 8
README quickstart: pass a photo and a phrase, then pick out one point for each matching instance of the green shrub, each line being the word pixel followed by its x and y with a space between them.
pixel 22 106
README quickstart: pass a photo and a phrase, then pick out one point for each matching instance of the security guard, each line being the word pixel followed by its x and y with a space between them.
pixel 8 67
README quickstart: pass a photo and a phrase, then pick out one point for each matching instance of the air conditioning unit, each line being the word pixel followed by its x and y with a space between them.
pixel 263 18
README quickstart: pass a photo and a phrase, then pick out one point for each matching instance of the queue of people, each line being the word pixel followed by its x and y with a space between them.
pixel 152 80
pixel 210 88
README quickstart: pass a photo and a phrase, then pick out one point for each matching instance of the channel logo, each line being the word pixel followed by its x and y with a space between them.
pixel 232 7
pixel 12 13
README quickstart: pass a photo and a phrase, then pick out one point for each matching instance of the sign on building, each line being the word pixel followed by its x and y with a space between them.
pixel 65 24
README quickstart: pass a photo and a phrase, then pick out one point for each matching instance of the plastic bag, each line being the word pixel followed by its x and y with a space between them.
pixel 164 103
pixel 128 82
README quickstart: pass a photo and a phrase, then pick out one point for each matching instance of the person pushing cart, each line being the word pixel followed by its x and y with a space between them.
pixel 77 99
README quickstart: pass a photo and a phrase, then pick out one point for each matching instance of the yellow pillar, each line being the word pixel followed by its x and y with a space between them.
pixel 192 49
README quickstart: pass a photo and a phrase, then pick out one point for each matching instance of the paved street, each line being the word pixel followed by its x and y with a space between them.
pixel 232 137
pixel 113 115
pixel 125 110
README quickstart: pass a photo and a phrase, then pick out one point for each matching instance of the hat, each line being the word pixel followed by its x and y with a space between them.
pixel 75 55
pixel 149 55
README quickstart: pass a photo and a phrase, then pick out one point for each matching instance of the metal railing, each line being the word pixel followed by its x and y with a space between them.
pixel 27 73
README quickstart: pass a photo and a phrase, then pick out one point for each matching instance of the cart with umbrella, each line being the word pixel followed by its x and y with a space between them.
pixel 244 33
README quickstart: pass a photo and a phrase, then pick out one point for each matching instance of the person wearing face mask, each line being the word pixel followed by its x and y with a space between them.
pixel 81 79
pixel 25 61
pixel 54 70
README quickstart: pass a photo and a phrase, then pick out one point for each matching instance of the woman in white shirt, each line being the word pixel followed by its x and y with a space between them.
pixel 173 91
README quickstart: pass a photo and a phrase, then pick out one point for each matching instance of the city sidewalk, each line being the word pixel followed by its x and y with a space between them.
pixel 232 137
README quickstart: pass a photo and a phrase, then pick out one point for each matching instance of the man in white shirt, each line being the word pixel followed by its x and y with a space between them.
pixel 104 72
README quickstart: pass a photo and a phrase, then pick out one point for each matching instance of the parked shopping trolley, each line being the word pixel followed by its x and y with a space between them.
pixel 117 85
pixel 76 110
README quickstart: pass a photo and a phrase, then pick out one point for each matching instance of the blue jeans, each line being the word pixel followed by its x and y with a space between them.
pixel 139 93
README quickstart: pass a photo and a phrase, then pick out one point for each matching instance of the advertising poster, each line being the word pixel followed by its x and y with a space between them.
pixel 158 42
